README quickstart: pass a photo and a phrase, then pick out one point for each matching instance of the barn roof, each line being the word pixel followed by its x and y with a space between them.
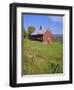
pixel 37 32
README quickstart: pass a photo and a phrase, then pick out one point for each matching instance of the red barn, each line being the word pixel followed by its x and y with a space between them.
pixel 47 37
pixel 43 36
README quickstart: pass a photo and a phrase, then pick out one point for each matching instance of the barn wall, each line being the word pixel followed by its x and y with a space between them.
pixel 47 37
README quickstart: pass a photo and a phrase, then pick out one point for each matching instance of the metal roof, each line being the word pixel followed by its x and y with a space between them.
pixel 36 32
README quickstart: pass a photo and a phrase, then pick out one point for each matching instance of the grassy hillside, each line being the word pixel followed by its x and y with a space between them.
pixel 39 58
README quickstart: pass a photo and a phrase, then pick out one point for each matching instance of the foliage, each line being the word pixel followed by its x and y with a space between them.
pixel 26 34
pixel 31 29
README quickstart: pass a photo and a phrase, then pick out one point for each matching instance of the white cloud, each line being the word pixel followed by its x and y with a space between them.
pixel 56 18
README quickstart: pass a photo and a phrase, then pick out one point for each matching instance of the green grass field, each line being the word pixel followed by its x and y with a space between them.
pixel 39 58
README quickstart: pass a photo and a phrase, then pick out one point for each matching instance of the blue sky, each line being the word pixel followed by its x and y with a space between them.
pixel 55 23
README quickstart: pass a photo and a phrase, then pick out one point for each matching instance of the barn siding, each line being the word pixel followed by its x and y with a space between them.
pixel 45 38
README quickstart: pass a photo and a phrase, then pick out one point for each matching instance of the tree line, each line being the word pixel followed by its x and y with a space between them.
pixel 29 31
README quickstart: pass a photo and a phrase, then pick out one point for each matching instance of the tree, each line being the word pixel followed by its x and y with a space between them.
pixel 25 34
pixel 31 29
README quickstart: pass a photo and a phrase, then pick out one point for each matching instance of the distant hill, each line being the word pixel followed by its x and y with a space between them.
pixel 58 36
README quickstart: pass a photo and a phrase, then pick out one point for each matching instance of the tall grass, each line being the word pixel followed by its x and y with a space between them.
pixel 39 58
